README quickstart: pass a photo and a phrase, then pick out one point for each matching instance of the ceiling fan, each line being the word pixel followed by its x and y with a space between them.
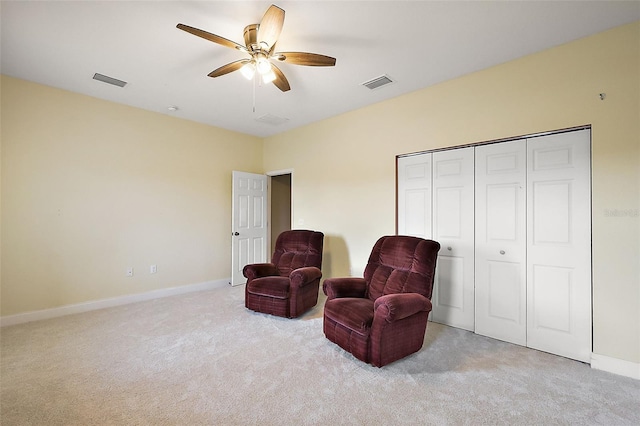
pixel 260 41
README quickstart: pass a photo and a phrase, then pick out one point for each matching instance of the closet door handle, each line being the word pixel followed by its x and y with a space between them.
pixel 502 252
pixel 449 248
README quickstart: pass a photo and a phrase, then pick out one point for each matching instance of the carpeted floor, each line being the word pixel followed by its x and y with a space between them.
pixel 203 359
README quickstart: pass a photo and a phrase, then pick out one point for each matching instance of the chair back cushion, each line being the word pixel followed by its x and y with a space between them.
pixel 401 264
pixel 296 249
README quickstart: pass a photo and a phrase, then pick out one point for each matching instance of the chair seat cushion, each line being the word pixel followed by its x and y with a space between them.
pixel 353 313
pixel 276 287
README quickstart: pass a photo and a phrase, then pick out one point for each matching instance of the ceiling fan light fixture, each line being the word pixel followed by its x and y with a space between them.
pixel 248 70
pixel 269 76
pixel 263 65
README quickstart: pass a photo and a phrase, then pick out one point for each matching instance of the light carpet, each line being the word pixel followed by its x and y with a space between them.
pixel 203 359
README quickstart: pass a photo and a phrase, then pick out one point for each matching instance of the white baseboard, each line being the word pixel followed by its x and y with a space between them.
pixel 110 302
pixel 616 366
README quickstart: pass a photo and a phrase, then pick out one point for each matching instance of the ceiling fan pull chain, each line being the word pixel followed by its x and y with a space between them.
pixel 254 94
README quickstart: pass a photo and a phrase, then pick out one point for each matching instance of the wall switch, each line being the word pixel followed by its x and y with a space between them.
pixel 153 269
pixel 130 271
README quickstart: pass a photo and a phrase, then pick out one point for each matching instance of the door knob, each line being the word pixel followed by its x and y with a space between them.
pixel 236 234
pixel 502 252
pixel 449 248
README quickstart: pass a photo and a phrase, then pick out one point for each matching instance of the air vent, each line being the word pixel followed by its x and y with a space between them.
pixel 378 82
pixel 272 119
pixel 109 80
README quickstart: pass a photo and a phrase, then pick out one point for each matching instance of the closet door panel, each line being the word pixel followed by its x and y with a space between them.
pixel 453 205
pixel 559 245
pixel 501 241
pixel 450 294
pixel 414 195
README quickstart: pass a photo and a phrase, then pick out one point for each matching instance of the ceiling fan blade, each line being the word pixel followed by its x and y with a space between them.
pixel 304 58
pixel 211 37
pixel 281 81
pixel 230 67
pixel 271 26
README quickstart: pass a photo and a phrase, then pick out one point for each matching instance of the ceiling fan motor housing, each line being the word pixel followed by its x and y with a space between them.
pixel 251 36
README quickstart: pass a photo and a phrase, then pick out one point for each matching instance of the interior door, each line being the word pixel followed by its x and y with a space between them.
pixel 249 223
pixel 414 195
pixel 559 244
pixel 453 221
pixel 501 287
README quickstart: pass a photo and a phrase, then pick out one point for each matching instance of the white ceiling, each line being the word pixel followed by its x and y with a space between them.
pixel 416 43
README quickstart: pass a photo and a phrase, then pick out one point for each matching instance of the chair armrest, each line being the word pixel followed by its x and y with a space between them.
pixel 344 287
pixel 303 276
pixel 394 307
pixel 257 270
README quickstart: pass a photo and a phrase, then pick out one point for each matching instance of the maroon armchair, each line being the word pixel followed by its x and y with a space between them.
pixel 383 317
pixel 288 286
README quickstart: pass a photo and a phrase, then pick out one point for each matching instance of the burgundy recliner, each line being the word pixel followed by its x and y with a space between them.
pixel 288 286
pixel 383 317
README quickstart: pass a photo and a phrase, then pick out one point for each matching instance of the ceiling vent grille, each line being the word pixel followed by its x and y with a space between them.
pixel 377 82
pixel 272 119
pixel 109 80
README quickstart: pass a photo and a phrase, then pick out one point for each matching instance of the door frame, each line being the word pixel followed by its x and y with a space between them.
pixel 270 204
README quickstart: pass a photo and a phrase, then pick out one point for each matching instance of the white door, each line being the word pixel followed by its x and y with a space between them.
pixel 414 195
pixel 249 223
pixel 453 217
pixel 501 288
pixel 559 244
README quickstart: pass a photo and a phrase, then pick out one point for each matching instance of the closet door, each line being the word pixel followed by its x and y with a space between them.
pixel 501 290
pixel 453 217
pixel 414 195
pixel 559 244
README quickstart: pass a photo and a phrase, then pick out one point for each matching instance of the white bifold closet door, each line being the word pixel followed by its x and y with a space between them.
pixel 559 244
pixel 501 288
pixel 453 206
pixel 514 223
pixel 435 201
pixel 533 243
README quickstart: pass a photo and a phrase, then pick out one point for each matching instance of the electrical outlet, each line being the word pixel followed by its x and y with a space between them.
pixel 153 269
pixel 130 271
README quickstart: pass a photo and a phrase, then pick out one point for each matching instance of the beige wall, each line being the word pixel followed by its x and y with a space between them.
pixel 91 187
pixel 345 166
